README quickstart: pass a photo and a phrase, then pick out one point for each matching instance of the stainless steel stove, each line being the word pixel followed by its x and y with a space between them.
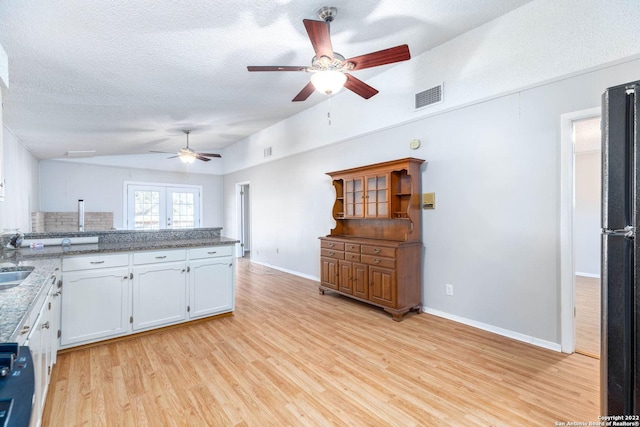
pixel 16 385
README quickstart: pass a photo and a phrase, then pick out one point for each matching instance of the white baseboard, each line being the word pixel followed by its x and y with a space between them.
pixel 581 274
pixel 286 270
pixel 496 330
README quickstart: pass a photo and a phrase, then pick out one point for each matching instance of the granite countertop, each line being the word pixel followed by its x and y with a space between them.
pixel 124 246
pixel 17 303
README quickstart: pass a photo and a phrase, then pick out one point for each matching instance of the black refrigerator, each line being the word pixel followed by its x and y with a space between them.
pixel 620 344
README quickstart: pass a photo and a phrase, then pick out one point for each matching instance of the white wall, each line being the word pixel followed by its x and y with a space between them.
pixel 587 224
pixel 63 183
pixel 20 170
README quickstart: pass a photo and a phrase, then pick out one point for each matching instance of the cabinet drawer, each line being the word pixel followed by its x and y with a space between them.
pixel 338 246
pixel 350 247
pixel 329 253
pixel 158 256
pixel 95 261
pixel 379 251
pixel 380 261
pixel 210 252
pixel 352 257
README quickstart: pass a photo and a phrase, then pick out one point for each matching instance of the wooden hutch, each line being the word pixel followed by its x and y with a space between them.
pixel 374 253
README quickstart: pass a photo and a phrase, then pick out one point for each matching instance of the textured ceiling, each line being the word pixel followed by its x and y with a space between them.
pixel 125 77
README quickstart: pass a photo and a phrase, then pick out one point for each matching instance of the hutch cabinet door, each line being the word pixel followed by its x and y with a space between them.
pixel 354 197
pixel 345 280
pixel 329 272
pixel 360 285
pixel 382 286
pixel 377 196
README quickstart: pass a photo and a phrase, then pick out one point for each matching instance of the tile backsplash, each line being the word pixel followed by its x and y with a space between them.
pixel 46 222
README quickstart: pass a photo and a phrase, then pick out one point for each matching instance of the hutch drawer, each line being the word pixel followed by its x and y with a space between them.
pixel 379 261
pixel 328 253
pixel 352 257
pixel 338 246
pixel 379 251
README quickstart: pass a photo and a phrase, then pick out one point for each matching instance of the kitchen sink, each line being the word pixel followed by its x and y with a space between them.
pixel 14 276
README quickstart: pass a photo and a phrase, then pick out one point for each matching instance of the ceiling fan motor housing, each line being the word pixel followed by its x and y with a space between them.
pixel 327 13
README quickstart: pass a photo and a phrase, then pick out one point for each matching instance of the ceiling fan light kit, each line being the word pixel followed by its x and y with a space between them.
pixel 330 70
pixel 328 81
pixel 188 155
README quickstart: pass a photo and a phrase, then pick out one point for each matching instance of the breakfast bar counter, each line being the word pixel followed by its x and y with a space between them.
pixel 17 303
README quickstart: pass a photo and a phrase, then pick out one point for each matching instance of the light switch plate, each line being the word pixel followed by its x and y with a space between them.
pixel 429 201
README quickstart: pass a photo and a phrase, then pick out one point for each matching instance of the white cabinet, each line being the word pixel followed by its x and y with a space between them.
pixel 95 300
pixel 42 341
pixel 159 288
pixel 110 295
pixel 211 275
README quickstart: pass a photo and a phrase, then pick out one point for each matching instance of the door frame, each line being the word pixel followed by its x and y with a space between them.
pixel 240 215
pixel 567 191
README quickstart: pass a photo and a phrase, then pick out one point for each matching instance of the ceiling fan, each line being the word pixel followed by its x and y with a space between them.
pixel 188 155
pixel 330 70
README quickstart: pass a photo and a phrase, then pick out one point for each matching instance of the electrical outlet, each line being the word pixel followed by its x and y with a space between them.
pixel 449 289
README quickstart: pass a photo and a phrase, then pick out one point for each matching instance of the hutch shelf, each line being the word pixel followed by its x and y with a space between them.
pixel 374 253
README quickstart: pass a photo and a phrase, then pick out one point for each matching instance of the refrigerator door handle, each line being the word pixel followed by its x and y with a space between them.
pixel 629 232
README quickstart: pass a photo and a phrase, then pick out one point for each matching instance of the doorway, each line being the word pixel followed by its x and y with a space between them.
pixel 569 308
pixel 586 236
pixel 243 208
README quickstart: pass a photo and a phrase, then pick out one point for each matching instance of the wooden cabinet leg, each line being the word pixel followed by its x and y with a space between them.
pixel 397 315
pixel 321 291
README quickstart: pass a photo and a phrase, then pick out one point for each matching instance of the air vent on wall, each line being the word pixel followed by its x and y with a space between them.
pixel 80 153
pixel 429 97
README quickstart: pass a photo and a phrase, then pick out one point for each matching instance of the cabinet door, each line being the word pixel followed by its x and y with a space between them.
pixel 38 354
pixel 329 272
pixel 382 286
pixel 360 285
pixel 210 286
pixel 40 344
pixel 377 196
pixel 159 294
pixel 94 305
pixel 354 197
pixel 345 277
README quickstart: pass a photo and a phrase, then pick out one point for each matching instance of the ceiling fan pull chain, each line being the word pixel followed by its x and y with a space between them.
pixel 329 111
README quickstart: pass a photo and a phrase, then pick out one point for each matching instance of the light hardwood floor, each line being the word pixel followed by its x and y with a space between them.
pixel 588 316
pixel 291 357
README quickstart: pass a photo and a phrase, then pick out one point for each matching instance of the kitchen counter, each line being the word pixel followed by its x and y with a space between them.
pixel 125 246
pixel 16 303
